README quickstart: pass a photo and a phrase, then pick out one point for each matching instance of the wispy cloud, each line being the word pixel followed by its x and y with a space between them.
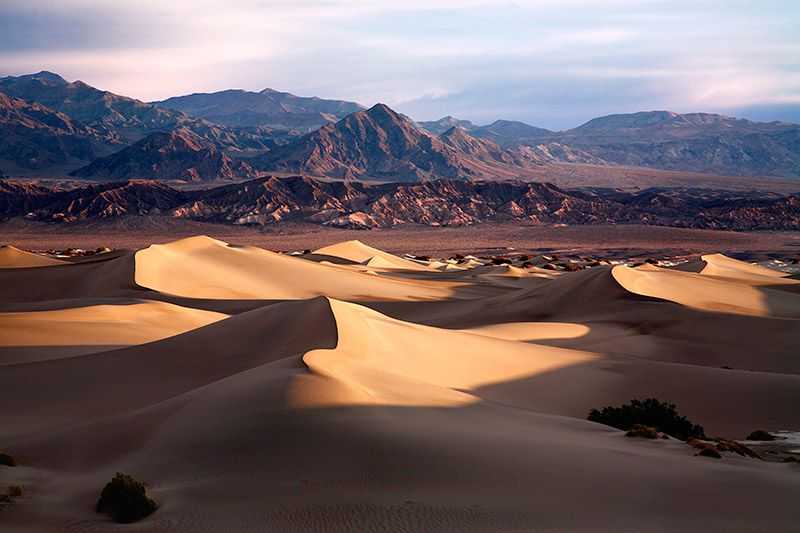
pixel 554 63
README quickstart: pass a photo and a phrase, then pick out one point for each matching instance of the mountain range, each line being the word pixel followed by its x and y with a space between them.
pixel 52 127
pixel 38 137
pixel 696 142
pixel 269 200
pixel 178 154
pixel 112 121
pixel 384 145
pixel 268 108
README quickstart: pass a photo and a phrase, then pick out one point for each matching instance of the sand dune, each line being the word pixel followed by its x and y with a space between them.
pixel 395 357
pixel 103 277
pixel 702 291
pixel 359 252
pixel 11 257
pixel 90 327
pixel 390 360
pixel 726 267
pixel 379 394
pixel 206 268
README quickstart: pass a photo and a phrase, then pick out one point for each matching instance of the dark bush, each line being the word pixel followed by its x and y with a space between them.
pixel 710 452
pixel 725 445
pixel 760 434
pixel 14 491
pixel 125 499
pixel 645 432
pixel 650 412
pixel 7 460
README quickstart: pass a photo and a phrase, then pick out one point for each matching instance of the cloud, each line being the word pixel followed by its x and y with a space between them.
pixel 554 63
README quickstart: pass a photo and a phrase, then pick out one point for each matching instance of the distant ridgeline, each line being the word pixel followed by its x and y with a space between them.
pixel 271 200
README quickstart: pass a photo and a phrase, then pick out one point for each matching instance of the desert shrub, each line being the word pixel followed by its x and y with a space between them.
pixel 760 434
pixel 710 452
pixel 651 412
pixel 725 445
pixel 14 491
pixel 125 499
pixel 645 432
pixel 7 460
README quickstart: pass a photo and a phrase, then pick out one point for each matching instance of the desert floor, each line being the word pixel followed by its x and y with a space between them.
pixel 351 389
pixel 622 240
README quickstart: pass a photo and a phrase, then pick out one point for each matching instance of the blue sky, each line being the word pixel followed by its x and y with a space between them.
pixel 552 63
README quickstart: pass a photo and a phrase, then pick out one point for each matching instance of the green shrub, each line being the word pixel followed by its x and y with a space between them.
pixel 760 434
pixel 125 499
pixel 650 412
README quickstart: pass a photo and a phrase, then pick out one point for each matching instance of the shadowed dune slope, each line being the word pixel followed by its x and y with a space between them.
pixel 615 321
pixel 138 376
pixel 103 277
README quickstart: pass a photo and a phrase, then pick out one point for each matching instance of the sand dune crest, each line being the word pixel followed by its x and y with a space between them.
pixel 359 252
pixel 703 291
pixel 87 328
pixel 208 268
pixel 11 257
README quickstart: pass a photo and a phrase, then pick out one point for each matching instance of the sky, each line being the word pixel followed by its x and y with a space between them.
pixel 551 63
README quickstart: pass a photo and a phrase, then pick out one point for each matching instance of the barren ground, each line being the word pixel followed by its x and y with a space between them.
pixel 486 238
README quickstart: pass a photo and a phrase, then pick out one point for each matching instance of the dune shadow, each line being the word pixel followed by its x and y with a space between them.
pixel 504 461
